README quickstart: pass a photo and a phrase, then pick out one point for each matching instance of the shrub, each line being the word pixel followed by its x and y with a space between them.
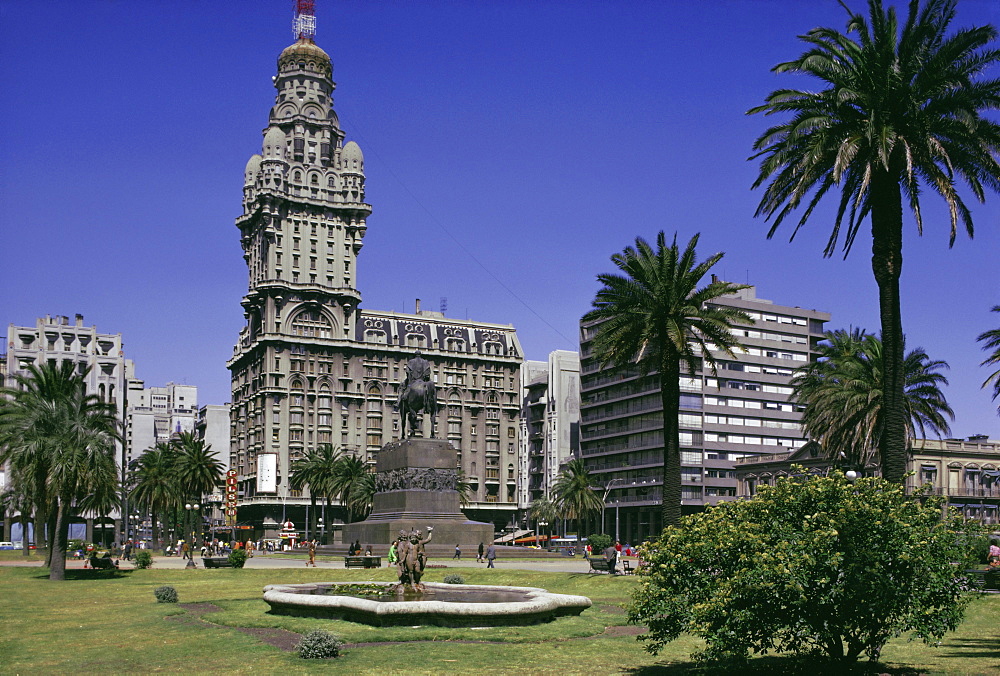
pixel 319 645
pixel 454 578
pixel 165 594
pixel 142 559
pixel 237 558
pixel 599 542
pixel 812 565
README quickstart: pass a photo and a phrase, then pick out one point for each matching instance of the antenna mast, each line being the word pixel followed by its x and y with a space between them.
pixel 304 24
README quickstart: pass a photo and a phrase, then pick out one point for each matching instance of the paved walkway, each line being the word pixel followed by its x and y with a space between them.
pixel 567 564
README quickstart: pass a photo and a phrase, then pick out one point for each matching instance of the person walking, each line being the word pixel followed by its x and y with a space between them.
pixel 458 553
pixel 312 554
pixel 479 557
pixel 491 555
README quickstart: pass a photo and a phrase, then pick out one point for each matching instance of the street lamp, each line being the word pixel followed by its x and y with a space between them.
pixel 604 503
pixel 322 531
pixel 192 512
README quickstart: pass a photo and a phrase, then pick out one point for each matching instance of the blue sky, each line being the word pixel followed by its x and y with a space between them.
pixel 510 149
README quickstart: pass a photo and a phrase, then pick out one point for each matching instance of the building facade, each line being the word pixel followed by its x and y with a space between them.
pixel 743 409
pixel 311 367
pixel 966 471
pixel 550 422
pixel 57 339
pixel 155 414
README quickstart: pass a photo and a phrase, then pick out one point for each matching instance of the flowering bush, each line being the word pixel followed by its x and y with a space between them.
pixel 454 578
pixel 319 645
pixel 814 565
pixel 237 558
pixel 165 594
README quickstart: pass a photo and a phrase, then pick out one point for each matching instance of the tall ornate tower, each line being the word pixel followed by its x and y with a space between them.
pixel 311 367
pixel 301 230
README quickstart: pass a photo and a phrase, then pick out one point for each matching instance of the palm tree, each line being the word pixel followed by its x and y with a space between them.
pixel 655 314
pixel 154 484
pixel 316 469
pixel 900 111
pixel 575 495
pixel 351 470
pixel 543 510
pixel 842 395
pixel 361 497
pixel 198 469
pixel 991 341
pixel 51 427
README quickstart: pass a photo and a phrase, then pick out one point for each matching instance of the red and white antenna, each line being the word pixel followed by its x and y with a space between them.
pixel 304 24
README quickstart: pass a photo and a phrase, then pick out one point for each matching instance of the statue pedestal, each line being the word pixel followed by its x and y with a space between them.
pixel 415 480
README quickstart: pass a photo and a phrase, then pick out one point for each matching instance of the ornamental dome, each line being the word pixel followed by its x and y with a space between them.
pixel 351 158
pixel 274 144
pixel 305 52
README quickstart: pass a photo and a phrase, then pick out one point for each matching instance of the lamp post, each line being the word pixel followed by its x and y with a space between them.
pixel 538 526
pixel 604 503
pixel 322 531
pixel 191 509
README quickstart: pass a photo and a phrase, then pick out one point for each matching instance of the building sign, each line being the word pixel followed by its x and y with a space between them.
pixel 231 498
pixel 267 473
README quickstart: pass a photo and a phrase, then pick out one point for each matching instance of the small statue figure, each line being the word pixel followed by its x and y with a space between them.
pixel 412 558
pixel 417 394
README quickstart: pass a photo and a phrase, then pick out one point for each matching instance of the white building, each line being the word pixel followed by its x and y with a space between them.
pixel 550 422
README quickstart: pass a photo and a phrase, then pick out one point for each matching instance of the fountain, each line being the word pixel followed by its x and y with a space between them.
pixel 416 482
pixel 384 604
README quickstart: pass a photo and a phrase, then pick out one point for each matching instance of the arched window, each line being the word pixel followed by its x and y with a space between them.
pixel 312 324
pixel 297 176
pixel 331 182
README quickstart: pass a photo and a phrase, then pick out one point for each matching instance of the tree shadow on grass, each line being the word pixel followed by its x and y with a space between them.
pixel 81 574
pixel 774 666
pixel 974 647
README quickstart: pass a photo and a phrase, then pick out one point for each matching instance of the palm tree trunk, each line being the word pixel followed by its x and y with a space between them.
pixel 24 532
pixel 57 552
pixel 670 397
pixel 156 530
pixel 887 264
pixel 49 529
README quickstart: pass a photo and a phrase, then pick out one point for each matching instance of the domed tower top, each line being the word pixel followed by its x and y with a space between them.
pixel 305 55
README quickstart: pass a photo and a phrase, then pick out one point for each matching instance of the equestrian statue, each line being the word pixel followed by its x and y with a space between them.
pixel 417 395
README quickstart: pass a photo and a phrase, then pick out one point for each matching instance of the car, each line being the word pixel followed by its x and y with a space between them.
pixel 7 545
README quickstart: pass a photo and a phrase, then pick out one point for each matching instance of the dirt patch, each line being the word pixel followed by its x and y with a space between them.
pixel 279 638
pixel 630 630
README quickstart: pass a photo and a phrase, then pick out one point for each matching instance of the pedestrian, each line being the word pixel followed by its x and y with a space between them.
pixel 491 555
pixel 587 551
pixel 993 556
pixel 611 556
pixel 479 558
pixel 312 554
pixel 458 552
pixel 186 551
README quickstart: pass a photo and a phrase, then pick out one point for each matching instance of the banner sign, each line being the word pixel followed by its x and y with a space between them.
pixel 267 473
pixel 231 498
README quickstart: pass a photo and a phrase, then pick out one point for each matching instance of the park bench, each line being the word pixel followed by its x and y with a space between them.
pixel 104 563
pixel 600 566
pixel 216 562
pixel 362 562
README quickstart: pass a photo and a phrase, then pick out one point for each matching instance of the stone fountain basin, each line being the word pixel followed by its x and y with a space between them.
pixel 533 605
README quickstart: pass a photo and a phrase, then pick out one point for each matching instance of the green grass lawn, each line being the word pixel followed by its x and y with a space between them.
pixel 112 624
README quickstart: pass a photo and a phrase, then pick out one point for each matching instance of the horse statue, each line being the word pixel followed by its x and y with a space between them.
pixel 418 394
pixel 411 557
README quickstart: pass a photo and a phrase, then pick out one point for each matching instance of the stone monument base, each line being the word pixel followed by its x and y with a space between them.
pixel 415 488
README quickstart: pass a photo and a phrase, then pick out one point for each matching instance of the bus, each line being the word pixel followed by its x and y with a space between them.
pixel 566 545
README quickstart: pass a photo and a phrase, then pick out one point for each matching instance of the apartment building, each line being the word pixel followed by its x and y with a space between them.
pixel 743 409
